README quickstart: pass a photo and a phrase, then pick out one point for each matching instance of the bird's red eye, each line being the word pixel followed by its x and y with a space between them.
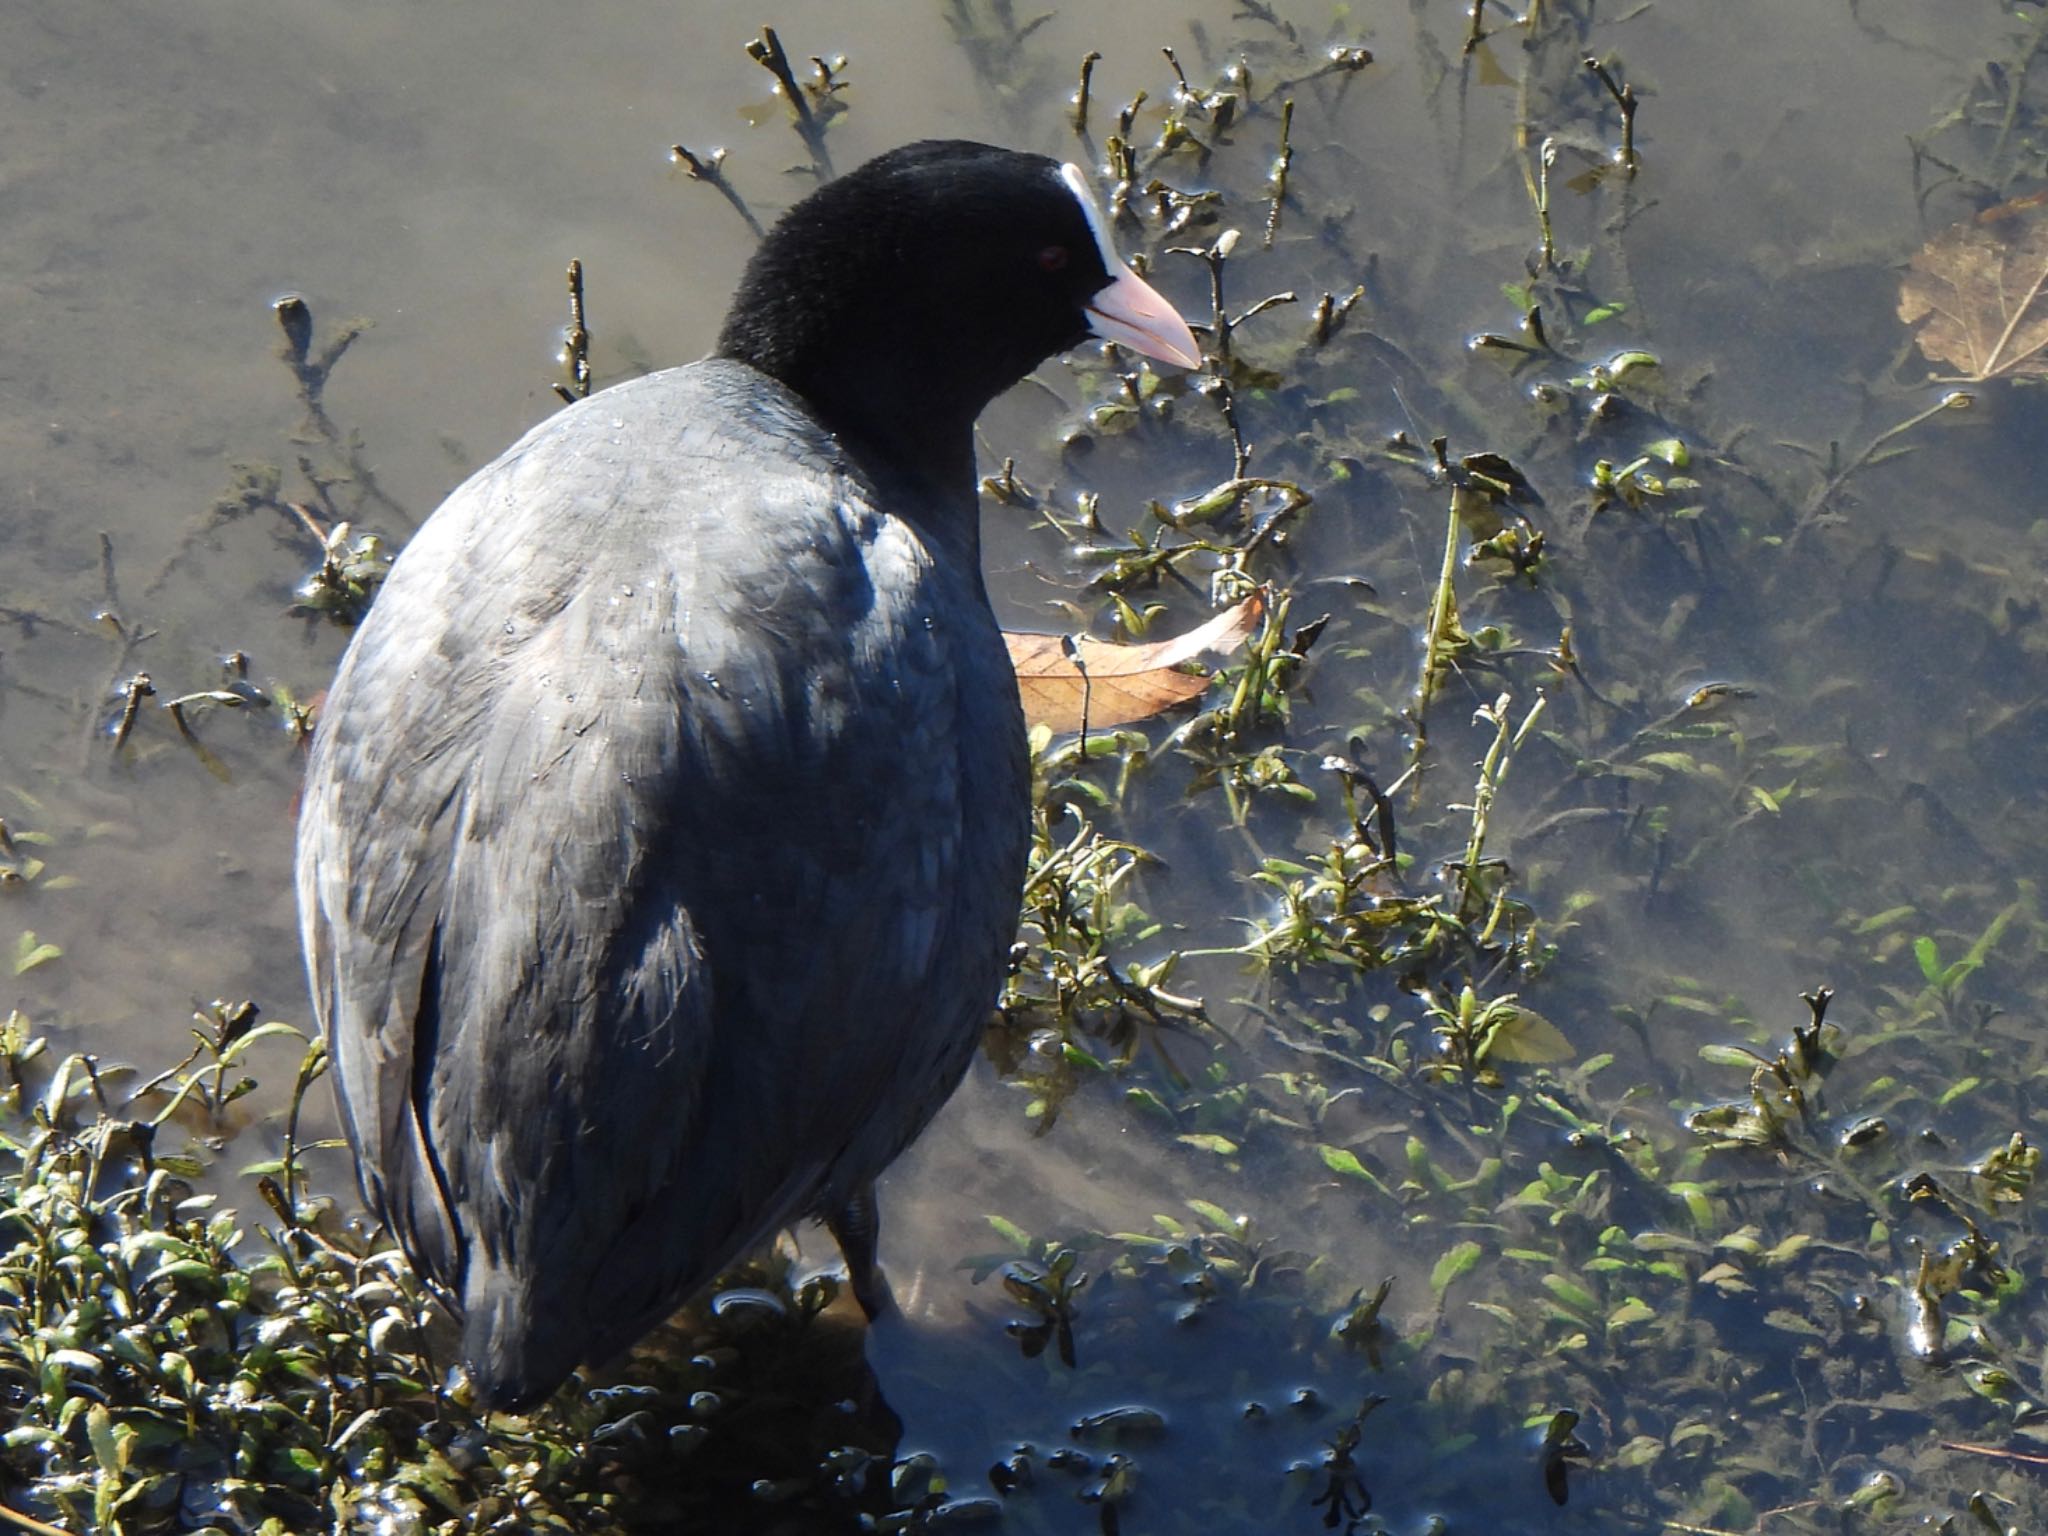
pixel 1052 259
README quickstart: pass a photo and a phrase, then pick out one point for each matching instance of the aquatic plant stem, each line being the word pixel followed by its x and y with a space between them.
pixel 1955 400
pixel 1539 194
pixel 1625 98
pixel 709 169
pixel 1493 772
pixel 2015 93
pixel 575 341
pixel 1276 184
pixel 1443 616
pixel 767 51
pixel 1088 63
pixel 16 1518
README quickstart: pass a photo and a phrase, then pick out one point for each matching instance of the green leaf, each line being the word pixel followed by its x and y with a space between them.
pixel 1785 1320
pixel 1634 1310
pixel 1344 1161
pixel 1146 1099
pixel 1347 1164
pixel 1988 940
pixel 1639 1452
pixel 28 954
pixel 1697 1203
pixel 1689 1004
pixel 1789 1249
pixel 109 1449
pixel 1572 1294
pixel 1528 1037
pixel 1929 956
pixel 1010 1233
pixel 1727 1056
pixel 1457 1260
pixel 1218 1218
pixel 266 1031
pixel 1208 1141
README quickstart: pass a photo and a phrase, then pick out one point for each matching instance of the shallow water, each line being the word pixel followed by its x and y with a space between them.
pixel 430 170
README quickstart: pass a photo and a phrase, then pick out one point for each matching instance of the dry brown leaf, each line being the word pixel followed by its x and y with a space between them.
pixel 1123 682
pixel 1979 294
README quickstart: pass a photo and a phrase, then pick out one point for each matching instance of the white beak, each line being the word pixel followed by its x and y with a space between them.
pixel 1131 313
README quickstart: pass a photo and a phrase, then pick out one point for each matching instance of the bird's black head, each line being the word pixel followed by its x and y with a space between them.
pixel 902 298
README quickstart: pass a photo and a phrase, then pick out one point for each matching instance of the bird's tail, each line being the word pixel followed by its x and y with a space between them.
pixel 515 1355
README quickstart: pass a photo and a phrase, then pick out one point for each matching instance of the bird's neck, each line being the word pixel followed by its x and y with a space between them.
pixel 936 495
pixel 914 436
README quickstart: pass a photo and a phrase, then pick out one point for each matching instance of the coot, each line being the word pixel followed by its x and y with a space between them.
pixel 664 825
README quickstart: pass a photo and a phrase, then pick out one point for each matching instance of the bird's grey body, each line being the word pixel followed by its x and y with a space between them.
pixel 664 825
pixel 700 798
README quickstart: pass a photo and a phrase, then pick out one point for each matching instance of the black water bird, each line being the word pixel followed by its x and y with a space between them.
pixel 664 826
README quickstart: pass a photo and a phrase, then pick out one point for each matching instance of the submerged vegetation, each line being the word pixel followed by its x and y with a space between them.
pixel 1412 955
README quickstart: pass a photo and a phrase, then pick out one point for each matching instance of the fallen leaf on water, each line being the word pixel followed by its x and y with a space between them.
pixel 1119 683
pixel 1979 294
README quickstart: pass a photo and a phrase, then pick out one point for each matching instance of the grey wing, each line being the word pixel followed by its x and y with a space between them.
pixel 615 907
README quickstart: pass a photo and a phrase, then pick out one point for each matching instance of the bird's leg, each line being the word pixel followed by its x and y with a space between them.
pixel 857 1228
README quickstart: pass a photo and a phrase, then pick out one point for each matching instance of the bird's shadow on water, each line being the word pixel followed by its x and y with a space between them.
pixel 748 1414
pixel 754 1413
pixel 927 1375
pixel 761 1414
